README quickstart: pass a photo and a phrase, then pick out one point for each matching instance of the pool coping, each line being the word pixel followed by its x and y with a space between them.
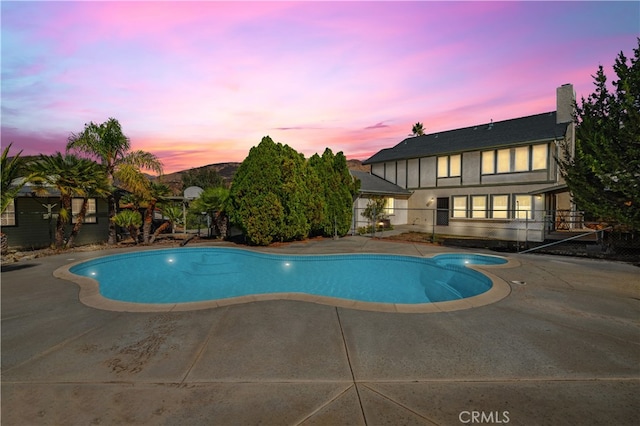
pixel 90 295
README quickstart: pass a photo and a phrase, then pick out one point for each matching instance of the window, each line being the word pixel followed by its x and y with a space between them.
pixel 499 206
pixel 504 161
pixel 460 206
pixel 9 215
pixel 488 162
pixel 524 207
pixel 479 206
pixel 521 159
pixel 449 166
pixel 443 166
pixel 455 165
pixel 90 215
pixel 388 205
pixel 539 157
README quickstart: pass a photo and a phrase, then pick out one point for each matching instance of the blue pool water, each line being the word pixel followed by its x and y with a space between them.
pixel 199 274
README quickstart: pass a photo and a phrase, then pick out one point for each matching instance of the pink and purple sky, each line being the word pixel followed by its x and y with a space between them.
pixel 198 83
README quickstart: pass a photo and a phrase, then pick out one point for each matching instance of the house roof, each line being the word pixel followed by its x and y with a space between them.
pixel 534 128
pixel 371 184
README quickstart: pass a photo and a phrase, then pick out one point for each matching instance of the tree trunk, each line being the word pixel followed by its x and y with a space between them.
pixel 111 200
pixel 133 232
pixel 79 221
pixel 161 228
pixel 63 213
pixel 222 225
pixel 148 222
pixel 4 243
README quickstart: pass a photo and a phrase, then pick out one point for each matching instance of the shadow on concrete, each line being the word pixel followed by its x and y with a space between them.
pixel 17 266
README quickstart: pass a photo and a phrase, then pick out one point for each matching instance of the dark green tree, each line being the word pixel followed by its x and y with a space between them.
pixel 270 198
pixel 602 171
pixel 337 188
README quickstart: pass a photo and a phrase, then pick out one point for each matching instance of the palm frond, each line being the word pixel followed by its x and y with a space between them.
pixel 143 160
pixel 132 179
pixel 10 172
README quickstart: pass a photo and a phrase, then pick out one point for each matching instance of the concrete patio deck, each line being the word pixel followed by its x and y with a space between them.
pixel 562 349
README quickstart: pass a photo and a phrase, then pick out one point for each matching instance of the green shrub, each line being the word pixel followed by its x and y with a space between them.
pixel 336 188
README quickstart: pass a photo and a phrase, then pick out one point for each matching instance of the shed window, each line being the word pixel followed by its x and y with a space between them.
pixel 9 215
pixel 90 216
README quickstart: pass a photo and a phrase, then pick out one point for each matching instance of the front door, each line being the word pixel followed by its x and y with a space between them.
pixel 442 213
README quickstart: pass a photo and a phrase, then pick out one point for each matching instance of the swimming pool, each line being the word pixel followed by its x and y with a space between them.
pixel 184 275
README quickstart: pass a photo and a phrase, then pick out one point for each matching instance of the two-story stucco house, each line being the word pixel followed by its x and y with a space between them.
pixel 497 179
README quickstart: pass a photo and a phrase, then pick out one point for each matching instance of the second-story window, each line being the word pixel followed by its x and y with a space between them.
pixel 539 157
pixel 511 160
pixel 488 162
pixel 521 159
pixel 449 166
pixel 503 163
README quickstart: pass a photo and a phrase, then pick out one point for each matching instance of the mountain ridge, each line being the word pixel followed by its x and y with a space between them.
pixel 228 170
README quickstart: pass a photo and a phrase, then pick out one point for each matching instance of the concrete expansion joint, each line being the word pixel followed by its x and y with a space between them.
pixel 393 401
pixel 326 404
pixel 353 376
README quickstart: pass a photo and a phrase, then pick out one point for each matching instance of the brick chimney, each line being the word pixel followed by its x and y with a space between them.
pixel 565 100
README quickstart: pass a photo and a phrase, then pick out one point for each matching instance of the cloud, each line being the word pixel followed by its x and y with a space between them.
pixel 202 82
pixel 379 125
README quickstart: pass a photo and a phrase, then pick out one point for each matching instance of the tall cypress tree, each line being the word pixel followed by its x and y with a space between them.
pixel 272 198
pixel 338 189
pixel 603 173
pixel 253 204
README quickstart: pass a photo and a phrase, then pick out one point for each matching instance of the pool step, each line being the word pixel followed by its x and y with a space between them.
pixel 440 291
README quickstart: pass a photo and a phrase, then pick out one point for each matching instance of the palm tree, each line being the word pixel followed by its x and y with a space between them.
pixel 94 184
pixel 173 214
pixel 214 201
pixel 131 220
pixel 156 192
pixel 417 129
pixel 9 186
pixel 111 147
pixel 72 177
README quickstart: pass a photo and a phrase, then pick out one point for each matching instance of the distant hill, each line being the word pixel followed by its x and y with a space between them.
pixel 228 170
pixel 357 165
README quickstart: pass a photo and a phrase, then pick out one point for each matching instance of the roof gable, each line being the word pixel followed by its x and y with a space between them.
pixel 534 128
pixel 371 184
